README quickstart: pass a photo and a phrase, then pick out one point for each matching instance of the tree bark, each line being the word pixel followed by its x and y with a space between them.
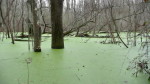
pixel 36 28
pixel 57 27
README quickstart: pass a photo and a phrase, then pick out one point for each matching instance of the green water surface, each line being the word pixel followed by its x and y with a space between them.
pixel 80 62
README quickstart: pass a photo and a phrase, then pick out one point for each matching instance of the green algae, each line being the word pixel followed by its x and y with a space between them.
pixel 83 61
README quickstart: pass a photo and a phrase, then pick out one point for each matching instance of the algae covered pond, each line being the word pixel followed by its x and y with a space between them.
pixel 80 62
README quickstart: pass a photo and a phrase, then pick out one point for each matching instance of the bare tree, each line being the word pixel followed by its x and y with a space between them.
pixel 7 18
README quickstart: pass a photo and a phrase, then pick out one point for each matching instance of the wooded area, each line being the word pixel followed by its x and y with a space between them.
pixel 81 16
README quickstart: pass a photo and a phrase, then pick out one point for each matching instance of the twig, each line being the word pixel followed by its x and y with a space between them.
pixel 77 77
pixel 28 61
pixel 28 74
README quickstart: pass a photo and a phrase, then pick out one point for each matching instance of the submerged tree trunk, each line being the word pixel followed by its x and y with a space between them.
pixel 36 28
pixel 57 27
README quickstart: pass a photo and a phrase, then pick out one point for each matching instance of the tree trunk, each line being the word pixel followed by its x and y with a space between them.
pixel 36 28
pixel 57 27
